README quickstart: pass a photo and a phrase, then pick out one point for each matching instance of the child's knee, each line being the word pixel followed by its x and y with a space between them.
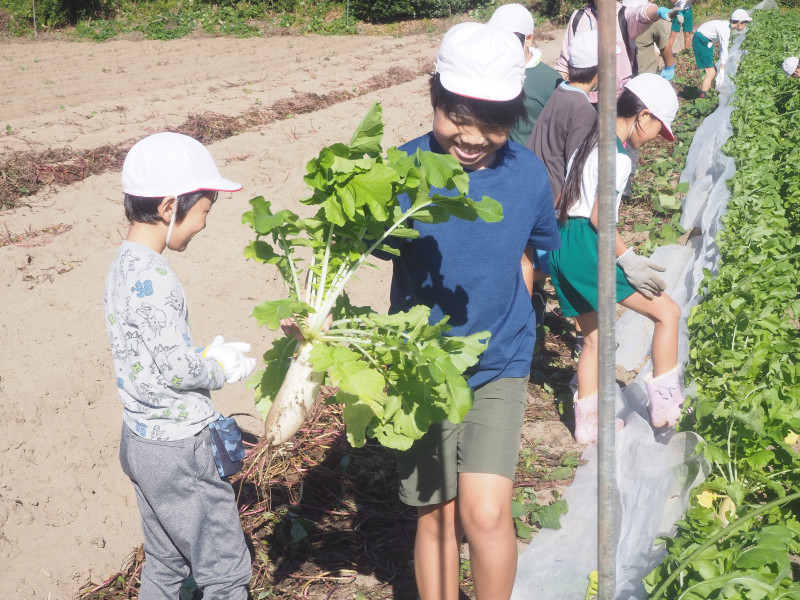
pixel 668 310
pixel 484 518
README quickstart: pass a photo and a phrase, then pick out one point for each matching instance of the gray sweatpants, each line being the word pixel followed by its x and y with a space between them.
pixel 189 518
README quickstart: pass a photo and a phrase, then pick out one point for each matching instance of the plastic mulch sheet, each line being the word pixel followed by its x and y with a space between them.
pixel 656 469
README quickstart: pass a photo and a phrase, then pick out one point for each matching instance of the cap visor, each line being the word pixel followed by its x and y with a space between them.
pixel 666 133
pixel 221 185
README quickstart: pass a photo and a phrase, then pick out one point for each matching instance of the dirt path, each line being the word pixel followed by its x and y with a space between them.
pixel 67 513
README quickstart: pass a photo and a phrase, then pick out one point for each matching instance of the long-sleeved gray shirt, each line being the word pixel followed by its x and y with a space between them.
pixel 162 379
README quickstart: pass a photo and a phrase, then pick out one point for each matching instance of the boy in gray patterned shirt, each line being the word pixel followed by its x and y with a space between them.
pixel 189 515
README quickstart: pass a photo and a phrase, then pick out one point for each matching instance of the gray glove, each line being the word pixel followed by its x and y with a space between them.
pixel 641 273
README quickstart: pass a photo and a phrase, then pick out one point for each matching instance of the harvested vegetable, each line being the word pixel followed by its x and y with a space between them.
pixel 396 374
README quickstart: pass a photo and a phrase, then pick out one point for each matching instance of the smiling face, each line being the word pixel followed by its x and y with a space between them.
pixel 473 144
pixel 193 223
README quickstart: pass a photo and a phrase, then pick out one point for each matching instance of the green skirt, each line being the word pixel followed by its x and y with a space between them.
pixel 573 269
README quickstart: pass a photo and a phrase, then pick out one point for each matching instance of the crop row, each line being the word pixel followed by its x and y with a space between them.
pixel 740 536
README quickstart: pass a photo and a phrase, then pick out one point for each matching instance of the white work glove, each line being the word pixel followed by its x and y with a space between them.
pixel 231 356
pixel 720 78
pixel 641 273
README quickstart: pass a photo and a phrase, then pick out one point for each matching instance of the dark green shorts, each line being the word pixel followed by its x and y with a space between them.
pixel 573 269
pixel 487 441
pixel 688 22
pixel 703 51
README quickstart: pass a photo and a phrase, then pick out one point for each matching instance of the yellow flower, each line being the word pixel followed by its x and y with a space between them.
pixel 706 499
pixel 791 438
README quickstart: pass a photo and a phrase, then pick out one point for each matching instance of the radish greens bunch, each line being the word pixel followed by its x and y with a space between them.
pixel 395 374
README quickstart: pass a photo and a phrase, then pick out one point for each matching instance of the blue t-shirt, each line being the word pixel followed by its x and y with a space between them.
pixel 470 270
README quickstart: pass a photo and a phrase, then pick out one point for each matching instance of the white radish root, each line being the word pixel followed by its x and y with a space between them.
pixel 294 400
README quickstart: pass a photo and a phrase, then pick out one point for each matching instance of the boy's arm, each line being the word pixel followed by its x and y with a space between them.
pixel 724 39
pixel 162 322
pixel 527 269
pixel 640 18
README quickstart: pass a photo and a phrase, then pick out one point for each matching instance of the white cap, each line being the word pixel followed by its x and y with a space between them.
pixel 658 96
pixel 171 164
pixel 633 2
pixel 583 50
pixel 740 14
pixel 790 65
pixel 514 18
pixel 482 62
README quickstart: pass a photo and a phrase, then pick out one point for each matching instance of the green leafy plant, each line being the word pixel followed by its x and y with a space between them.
pixel 527 513
pixel 396 374
pixel 740 535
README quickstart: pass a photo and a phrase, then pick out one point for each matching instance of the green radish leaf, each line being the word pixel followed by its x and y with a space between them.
pixel 271 313
pixel 358 418
pixel 278 358
pixel 367 136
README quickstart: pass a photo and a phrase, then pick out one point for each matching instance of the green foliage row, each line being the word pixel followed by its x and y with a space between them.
pixel 387 11
pixel 741 530
pixel 101 20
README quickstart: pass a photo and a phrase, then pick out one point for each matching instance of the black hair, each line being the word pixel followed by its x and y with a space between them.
pixel 489 113
pixel 142 209
pixel 582 74
pixel 628 105
pixel 520 37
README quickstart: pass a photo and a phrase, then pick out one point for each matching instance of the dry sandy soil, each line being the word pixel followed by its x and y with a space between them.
pixel 67 513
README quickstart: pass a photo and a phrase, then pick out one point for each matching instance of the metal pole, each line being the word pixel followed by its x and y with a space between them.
pixel 606 298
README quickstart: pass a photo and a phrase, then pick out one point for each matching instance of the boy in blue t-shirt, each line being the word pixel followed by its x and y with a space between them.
pixel 189 515
pixel 480 274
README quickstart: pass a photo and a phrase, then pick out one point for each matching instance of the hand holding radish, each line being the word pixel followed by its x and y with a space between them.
pixel 291 328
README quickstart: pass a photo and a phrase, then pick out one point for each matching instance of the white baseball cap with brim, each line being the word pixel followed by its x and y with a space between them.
pixel 514 18
pixel 660 99
pixel 790 65
pixel 583 50
pixel 482 62
pixel 171 164
pixel 740 14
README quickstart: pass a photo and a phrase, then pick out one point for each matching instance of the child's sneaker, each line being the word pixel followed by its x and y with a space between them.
pixel 666 398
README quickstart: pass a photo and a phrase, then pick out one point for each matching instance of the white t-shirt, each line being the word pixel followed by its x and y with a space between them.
pixel 720 32
pixel 590 182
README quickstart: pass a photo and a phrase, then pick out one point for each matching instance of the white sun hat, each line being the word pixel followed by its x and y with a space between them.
pixel 790 65
pixel 171 164
pixel 482 62
pixel 658 96
pixel 583 50
pixel 514 18
pixel 740 14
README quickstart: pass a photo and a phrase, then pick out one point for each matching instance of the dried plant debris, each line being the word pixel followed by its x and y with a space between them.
pixel 24 174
